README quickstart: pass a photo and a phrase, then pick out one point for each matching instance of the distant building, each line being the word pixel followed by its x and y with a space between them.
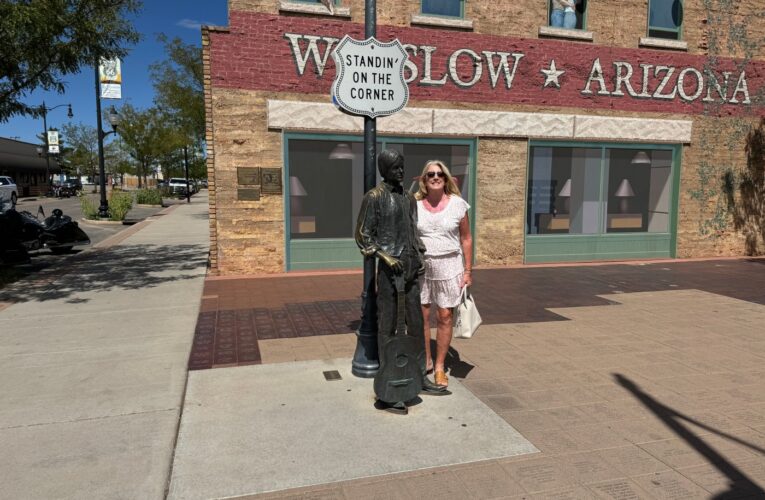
pixel 607 132
pixel 21 161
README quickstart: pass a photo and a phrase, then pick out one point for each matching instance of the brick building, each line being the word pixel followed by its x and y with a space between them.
pixel 21 161
pixel 634 135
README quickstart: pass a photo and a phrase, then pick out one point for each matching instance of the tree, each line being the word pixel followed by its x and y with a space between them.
pixel 179 87
pixel 117 158
pixel 179 95
pixel 45 40
pixel 148 137
pixel 64 151
pixel 82 154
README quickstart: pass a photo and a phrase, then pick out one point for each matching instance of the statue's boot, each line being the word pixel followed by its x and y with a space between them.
pixel 431 389
pixel 397 408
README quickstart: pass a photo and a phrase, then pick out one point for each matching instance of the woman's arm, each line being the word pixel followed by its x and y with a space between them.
pixel 466 242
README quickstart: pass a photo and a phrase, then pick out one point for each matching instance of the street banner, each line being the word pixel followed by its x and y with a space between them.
pixel 53 142
pixel 110 77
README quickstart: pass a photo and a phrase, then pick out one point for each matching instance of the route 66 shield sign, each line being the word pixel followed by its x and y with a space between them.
pixel 369 77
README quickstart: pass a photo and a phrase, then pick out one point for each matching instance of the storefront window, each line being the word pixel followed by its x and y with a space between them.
pixel 326 180
pixel 599 190
pixel 638 190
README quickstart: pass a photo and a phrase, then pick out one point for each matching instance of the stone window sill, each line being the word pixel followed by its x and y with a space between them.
pixel 663 43
pixel 568 34
pixel 317 9
pixel 442 22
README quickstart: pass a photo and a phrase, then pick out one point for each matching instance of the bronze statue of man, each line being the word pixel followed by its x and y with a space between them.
pixel 387 229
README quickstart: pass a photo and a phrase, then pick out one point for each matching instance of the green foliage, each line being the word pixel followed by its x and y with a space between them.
pixel 148 136
pixel 148 197
pixel 727 34
pixel 117 158
pixel 89 206
pixel 120 203
pixel 45 40
pixel 82 157
pixel 179 86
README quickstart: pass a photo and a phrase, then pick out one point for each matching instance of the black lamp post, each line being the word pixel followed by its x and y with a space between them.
pixel 44 111
pixel 366 359
pixel 114 121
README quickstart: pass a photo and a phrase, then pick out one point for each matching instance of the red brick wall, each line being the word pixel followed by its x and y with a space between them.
pixel 255 55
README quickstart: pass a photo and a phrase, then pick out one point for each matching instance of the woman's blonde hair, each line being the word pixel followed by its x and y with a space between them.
pixel 450 187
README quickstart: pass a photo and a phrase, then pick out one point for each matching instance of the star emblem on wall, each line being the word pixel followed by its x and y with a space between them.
pixel 552 74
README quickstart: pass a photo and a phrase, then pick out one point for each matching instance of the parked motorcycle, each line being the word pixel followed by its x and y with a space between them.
pixel 21 232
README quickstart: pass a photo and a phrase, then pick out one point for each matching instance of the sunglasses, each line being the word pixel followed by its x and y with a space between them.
pixel 430 175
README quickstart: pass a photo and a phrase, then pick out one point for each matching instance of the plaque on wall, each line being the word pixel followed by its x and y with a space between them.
pixel 248 194
pixel 248 176
pixel 272 180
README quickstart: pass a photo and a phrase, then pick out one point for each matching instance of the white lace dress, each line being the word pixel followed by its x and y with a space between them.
pixel 444 264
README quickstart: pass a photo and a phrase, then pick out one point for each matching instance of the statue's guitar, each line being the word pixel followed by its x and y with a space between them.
pixel 399 378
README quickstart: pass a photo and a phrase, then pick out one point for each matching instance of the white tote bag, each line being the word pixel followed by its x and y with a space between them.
pixel 466 317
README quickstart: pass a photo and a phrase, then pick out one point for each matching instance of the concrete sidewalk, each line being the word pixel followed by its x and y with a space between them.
pixel 93 363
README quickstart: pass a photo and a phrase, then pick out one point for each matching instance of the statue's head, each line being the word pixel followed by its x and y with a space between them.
pixel 390 163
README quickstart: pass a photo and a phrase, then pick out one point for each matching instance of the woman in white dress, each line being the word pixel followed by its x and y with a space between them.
pixel 442 221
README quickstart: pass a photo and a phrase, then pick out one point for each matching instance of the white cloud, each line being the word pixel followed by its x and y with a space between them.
pixel 191 24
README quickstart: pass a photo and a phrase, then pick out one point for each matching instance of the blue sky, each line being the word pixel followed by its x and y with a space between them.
pixel 181 18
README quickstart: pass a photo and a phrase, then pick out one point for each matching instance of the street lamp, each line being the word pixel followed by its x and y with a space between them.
pixel 114 121
pixel 44 111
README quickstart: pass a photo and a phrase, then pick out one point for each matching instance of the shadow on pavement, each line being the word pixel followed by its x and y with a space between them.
pixel 740 485
pixel 127 267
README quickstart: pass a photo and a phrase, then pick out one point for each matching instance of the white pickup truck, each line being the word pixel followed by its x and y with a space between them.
pixel 178 185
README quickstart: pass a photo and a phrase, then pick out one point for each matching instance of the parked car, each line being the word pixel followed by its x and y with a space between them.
pixel 178 185
pixel 74 184
pixel 203 183
pixel 70 187
pixel 8 189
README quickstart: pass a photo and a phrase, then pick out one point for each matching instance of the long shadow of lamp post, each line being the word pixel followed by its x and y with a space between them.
pixel 739 483
pixel 44 112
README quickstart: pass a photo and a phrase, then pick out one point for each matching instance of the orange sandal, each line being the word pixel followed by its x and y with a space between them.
pixel 440 378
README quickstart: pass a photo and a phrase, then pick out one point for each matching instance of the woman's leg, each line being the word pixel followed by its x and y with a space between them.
pixel 569 20
pixel 556 18
pixel 443 336
pixel 426 328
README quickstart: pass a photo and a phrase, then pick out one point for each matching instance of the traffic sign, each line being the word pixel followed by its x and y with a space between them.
pixel 369 77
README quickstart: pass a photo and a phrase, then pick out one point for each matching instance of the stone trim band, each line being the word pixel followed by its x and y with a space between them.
pixel 324 117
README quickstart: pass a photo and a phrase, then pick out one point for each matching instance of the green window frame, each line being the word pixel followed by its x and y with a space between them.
pixel 424 10
pixel 326 245
pixel 656 31
pixel 583 15
pixel 604 245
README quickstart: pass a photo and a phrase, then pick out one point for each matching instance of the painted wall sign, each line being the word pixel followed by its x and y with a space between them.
pixel 468 67
pixel 370 77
